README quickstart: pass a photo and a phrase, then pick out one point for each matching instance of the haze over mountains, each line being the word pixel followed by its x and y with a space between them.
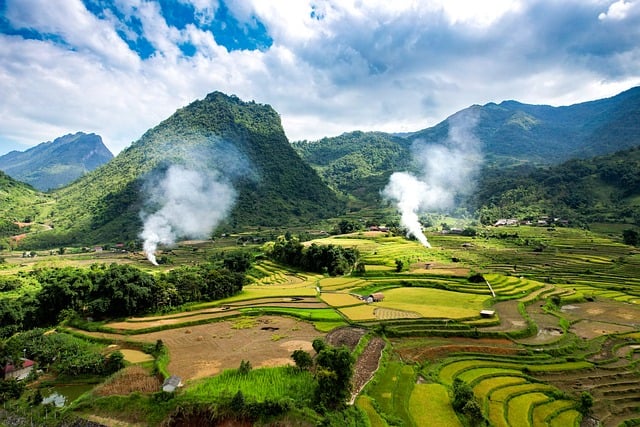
pixel 56 163
pixel 241 147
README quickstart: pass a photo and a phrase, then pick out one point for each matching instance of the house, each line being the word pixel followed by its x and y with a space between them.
pixel 18 372
pixel 172 383
pixel 487 313
pixel 375 297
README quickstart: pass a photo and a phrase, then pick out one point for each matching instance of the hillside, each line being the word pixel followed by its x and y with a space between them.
pixel 510 133
pixel 599 189
pixel 56 163
pixel 19 204
pixel 357 162
pixel 221 137
pixel 513 131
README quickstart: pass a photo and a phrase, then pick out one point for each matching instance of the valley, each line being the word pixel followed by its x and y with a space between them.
pixel 214 274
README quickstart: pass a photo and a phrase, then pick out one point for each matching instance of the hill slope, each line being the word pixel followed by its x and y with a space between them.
pixel 357 162
pixel 510 133
pixel 599 189
pixel 239 142
pixel 54 164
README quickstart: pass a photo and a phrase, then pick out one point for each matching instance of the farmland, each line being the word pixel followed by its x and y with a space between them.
pixel 565 321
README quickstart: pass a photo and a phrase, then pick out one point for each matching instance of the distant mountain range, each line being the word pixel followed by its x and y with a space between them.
pixel 509 133
pixel 56 163
pixel 242 144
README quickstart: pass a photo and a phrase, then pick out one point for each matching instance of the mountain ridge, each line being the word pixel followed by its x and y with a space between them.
pixel 56 163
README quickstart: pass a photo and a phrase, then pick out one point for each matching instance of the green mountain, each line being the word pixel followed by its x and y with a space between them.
pixel 598 189
pixel 19 203
pixel 360 163
pixel 512 131
pixel 219 138
pixel 357 163
pixel 56 163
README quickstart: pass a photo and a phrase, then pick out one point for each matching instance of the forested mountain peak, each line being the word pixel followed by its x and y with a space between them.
pixel 221 139
pixel 56 163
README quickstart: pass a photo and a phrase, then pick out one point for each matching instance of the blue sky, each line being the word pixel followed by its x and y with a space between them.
pixel 119 67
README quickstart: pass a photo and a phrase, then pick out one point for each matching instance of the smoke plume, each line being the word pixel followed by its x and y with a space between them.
pixel 446 170
pixel 191 203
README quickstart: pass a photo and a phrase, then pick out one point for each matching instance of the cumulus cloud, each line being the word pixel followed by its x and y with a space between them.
pixel 332 66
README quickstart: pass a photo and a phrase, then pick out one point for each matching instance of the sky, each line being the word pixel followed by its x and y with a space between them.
pixel 119 67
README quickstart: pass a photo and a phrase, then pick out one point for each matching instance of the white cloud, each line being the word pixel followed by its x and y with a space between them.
pixel 618 10
pixel 374 65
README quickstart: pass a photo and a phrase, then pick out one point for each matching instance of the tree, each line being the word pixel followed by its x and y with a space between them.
pixel 302 359
pixel 334 369
pixel 318 345
pixel 245 367
pixel 631 237
pixel 586 403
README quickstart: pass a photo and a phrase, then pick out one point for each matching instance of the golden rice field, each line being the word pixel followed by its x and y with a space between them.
pixel 339 299
pixel 434 303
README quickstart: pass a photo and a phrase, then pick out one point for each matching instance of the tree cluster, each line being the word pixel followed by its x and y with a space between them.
pixel 107 291
pixel 333 370
pixel 327 259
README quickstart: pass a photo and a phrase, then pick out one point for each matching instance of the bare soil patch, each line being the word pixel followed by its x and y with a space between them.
pixel 590 329
pixel 604 311
pixel 205 350
pixel 347 336
pixel 510 317
pixel 417 350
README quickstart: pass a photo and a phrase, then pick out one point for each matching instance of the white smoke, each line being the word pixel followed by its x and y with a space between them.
pixel 446 170
pixel 190 203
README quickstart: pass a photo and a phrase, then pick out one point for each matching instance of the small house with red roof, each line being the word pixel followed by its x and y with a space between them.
pixel 20 372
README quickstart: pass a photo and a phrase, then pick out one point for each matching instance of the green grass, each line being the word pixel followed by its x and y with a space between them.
pixel 430 405
pixel 392 388
pixel 567 418
pixel 543 412
pixel 309 314
pixel 519 407
pixel 365 403
pixel 257 385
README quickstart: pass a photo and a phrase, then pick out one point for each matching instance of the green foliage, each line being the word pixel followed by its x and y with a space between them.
pixel 464 402
pixel 243 140
pixel 631 237
pixel 302 359
pixel 586 403
pixel 318 345
pixel 331 259
pixel 600 189
pixel 245 367
pixel 334 369
pixel 11 389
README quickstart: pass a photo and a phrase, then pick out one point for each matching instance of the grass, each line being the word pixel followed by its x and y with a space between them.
pixel 365 403
pixel 543 412
pixel 310 314
pixel 430 405
pixel 257 385
pixel 392 390
pixel 567 418
pixel 519 407
pixel 359 312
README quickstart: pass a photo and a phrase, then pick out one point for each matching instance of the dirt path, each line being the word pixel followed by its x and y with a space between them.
pixel 366 366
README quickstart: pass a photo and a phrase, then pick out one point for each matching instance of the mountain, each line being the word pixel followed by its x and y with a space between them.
pixel 511 132
pixel 599 189
pixel 19 203
pixel 238 142
pixel 56 163
pixel 357 162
